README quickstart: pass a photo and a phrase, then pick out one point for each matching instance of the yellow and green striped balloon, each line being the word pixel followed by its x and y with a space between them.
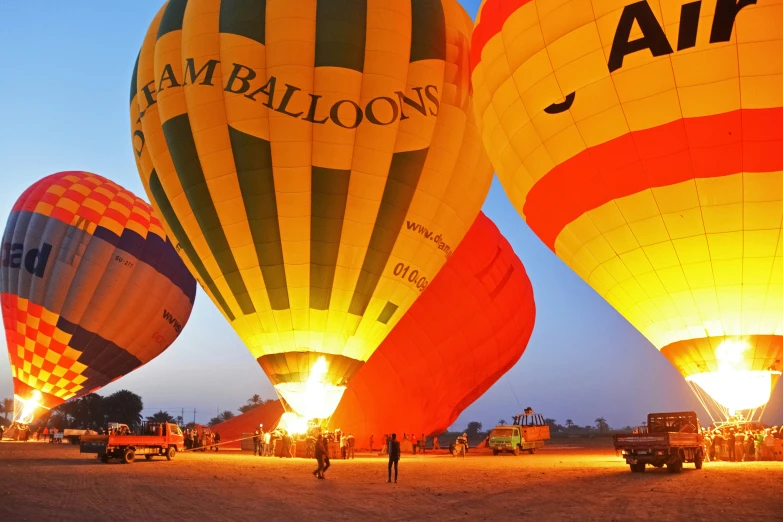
pixel 317 163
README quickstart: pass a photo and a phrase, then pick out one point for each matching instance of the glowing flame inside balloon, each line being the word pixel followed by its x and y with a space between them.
pixel 313 399
pixel 734 385
pixel 293 423
pixel 26 407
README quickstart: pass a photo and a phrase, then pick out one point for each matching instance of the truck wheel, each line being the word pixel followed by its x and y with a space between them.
pixel 674 467
pixel 698 461
pixel 516 451
pixel 531 450
pixel 633 468
pixel 171 452
pixel 129 456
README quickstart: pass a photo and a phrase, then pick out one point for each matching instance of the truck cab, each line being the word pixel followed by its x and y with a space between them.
pixel 528 433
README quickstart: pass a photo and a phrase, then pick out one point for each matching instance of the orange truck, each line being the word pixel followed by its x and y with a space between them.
pixel 153 439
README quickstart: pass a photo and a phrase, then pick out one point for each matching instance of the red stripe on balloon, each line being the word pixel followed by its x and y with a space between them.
pixel 748 140
pixel 494 14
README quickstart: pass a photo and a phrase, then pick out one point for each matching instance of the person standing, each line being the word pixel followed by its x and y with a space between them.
pixel 769 445
pixel 717 443
pixel 435 445
pixel 394 457
pixel 707 446
pixel 256 446
pixel 351 441
pixel 758 442
pixel 342 446
pixel 749 446
pixel 217 440
pixel 739 446
pixel 422 443
pixel 320 453
pixel 414 443
pixel 730 444
pixel 267 443
pixel 371 441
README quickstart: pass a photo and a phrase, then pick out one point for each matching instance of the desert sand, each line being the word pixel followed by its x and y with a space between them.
pixel 579 480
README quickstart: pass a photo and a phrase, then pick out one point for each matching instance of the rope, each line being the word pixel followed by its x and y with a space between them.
pixel 206 448
pixel 512 390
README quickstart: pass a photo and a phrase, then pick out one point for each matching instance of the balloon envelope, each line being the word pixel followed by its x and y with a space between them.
pixel 642 143
pixel 317 163
pixel 469 328
pixel 91 287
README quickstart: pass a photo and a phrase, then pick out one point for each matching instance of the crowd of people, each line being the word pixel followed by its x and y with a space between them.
pixel 410 444
pixel 202 439
pixel 735 444
pixel 265 444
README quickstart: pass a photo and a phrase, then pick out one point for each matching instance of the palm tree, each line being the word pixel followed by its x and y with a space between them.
pixel 569 423
pixel 255 400
pixel 601 424
pixel 502 422
pixel 7 407
pixel 161 416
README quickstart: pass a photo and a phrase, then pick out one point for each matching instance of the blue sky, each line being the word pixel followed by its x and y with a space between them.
pixel 64 90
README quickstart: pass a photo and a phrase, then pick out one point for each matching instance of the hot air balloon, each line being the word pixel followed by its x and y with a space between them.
pixel 317 163
pixel 467 330
pixel 91 288
pixel 641 141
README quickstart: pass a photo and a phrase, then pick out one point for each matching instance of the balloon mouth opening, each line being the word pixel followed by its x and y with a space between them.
pixel 25 409
pixel 315 398
pixel 736 390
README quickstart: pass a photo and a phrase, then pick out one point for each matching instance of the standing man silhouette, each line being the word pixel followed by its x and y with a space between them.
pixel 394 456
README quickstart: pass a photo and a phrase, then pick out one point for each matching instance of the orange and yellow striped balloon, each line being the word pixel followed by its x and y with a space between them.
pixel 316 161
pixel 642 141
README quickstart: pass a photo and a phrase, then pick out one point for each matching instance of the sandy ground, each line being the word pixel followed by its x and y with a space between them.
pixel 578 481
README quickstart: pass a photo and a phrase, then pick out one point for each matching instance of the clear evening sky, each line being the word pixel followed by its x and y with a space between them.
pixel 64 90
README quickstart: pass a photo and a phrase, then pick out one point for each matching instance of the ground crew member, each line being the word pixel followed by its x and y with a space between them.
pixel 256 447
pixel 319 456
pixel 394 457
pixel 350 441
pixel 730 445
pixel 739 446
pixel 217 440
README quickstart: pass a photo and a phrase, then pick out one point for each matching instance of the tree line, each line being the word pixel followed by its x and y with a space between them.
pixel 95 411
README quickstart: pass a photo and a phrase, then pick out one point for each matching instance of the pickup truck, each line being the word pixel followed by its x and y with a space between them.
pixel 153 439
pixel 669 439
pixel 528 433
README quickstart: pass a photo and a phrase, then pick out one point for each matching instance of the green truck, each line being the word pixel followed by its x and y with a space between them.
pixel 528 433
